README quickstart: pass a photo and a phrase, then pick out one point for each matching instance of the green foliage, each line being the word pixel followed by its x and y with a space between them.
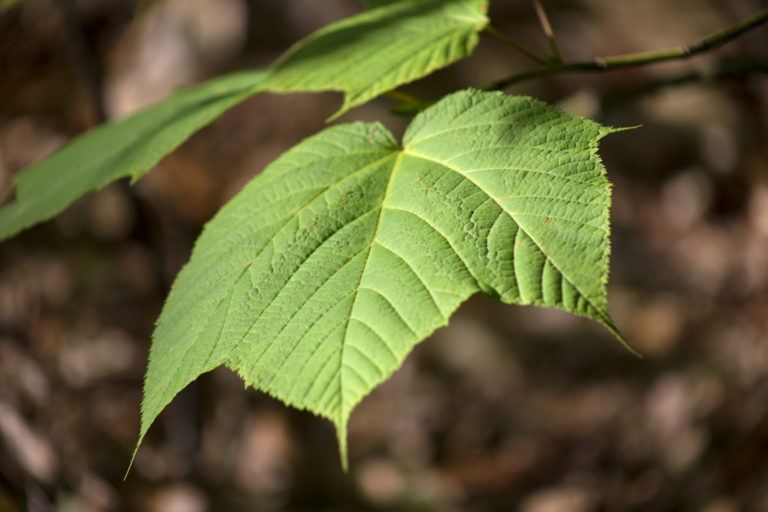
pixel 319 277
pixel 128 148
pixel 381 49
pixel 361 56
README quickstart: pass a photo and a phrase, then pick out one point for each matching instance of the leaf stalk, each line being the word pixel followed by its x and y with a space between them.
pixel 501 36
pixel 547 28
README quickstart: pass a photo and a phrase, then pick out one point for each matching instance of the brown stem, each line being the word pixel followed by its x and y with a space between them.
pixel 547 28
pixel 514 44
pixel 641 58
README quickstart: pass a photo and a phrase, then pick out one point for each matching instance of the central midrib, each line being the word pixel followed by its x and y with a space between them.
pixel 341 412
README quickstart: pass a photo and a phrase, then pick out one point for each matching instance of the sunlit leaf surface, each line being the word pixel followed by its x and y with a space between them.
pixel 319 277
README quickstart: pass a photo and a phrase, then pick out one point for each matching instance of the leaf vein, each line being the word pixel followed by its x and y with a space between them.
pixel 379 336
pixel 418 277
pixel 391 305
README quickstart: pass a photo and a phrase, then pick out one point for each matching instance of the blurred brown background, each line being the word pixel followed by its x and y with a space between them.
pixel 508 408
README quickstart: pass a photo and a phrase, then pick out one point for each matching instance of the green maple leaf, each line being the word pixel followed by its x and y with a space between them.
pixel 316 281
pixel 361 56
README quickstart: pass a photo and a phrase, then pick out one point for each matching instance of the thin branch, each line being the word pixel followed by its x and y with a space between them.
pixel 642 58
pixel 399 95
pixel 498 34
pixel 726 69
pixel 547 28
pixel 409 105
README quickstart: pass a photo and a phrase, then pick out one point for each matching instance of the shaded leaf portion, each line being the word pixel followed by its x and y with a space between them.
pixel 319 277
pixel 126 148
pixel 361 56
